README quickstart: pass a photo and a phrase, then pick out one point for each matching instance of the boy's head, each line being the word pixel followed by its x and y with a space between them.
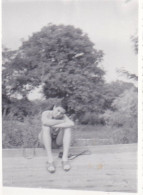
pixel 58 112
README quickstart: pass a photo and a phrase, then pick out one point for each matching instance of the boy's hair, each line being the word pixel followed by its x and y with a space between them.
pixel 58 104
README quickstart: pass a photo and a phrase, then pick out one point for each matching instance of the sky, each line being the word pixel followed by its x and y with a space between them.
pixel 108 23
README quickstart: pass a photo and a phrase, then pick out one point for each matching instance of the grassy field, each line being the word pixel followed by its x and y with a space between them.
pixel 104 134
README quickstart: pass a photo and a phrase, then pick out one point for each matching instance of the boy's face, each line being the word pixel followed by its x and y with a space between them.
pixel 58 112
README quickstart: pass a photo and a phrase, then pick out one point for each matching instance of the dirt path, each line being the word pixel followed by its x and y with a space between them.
pixel 107 168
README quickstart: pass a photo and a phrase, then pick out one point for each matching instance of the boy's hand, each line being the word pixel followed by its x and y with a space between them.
pixel 66 119
pixel 56 129
pixel 66 124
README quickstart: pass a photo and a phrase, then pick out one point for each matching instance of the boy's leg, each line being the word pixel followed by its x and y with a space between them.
pixel 66 143
pixel 64 137
pixel 66 146
pixel 59 139
pixel 46 140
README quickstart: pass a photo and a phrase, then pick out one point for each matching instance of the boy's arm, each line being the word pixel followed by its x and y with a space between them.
pixel 50 122
pixel 66 124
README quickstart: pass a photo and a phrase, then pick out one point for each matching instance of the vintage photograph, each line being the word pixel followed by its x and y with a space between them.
pixel 70 94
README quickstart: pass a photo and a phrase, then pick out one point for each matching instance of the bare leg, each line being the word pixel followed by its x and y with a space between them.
pixel 45 138
pixel 66 143
pixel 40 137
pixel 59 139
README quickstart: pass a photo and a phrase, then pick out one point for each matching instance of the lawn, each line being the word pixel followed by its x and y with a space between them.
pixel 91 132
pixel 102 135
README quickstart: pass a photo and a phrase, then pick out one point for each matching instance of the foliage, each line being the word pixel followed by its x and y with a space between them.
pixel 9 74
pixel 124 109
pixel 128 74
pixel 113 90
pixel 64 62
pixel 18 134
pixel 134 39
pixel 25 134
pixel 90 118
pixel 124 113
pixel 17 109
pixel 124 135
pixel 12 134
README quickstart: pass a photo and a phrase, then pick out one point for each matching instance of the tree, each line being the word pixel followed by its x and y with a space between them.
pixel 124 115
pixel 12 106
pixel 113 90
pixel 7 56
pixel 65 62
pixel 134 39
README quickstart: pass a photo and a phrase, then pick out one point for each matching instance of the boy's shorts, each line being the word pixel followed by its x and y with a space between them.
pixel 54 134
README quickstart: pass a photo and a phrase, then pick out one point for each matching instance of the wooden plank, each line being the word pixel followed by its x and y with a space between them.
pixel 98 171
pixel 119 148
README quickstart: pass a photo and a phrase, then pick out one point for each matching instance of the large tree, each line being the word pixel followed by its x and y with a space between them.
pixel 65 62
pixel 113 90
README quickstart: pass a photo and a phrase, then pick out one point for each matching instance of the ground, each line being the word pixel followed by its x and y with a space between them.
pixel 107 168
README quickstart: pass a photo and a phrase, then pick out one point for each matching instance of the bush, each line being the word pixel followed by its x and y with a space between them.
pixel 124 135
pixel 91 118
pixel 124 114
pixel 17 134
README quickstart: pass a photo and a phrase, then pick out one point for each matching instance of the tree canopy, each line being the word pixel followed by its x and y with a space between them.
pixel 65 62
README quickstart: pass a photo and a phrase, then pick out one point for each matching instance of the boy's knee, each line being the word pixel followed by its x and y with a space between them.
pixel 67 129
pixel 46 129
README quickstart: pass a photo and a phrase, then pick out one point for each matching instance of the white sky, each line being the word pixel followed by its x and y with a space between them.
pixel 109 24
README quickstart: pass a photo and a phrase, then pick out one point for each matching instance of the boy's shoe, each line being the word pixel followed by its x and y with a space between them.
pixel 61 155
pixel 66 166
pixel 51 167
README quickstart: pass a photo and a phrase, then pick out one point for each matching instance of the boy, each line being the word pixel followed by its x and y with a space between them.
pixel 56 130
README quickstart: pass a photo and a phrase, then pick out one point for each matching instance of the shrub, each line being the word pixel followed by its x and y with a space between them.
pixel 17 134
pixel 91 118
pixel 124 114
pixel 124 135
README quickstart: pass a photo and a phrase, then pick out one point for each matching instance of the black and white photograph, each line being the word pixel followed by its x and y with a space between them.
pixel 70 95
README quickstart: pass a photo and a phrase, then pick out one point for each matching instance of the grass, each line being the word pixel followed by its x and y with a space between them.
pixel 106 134
pixel 91 132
